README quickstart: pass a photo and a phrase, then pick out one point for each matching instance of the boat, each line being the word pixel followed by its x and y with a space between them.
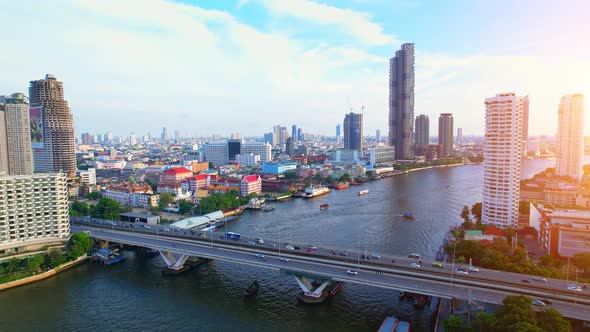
pixel 409 215
pixel 324 206
pixel 363 192
pixel 315 191
pixel 355 183
pixel 108 257
pixel 252 289
pixel 336 289
pixel 341 185
pixel 267 208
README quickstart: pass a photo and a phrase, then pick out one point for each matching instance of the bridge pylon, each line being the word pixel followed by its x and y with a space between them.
pixel 174 264
pixel 313 292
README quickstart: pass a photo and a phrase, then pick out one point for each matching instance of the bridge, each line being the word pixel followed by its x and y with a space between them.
pixel 331 265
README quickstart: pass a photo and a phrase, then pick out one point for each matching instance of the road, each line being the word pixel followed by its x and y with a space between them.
pixel 321 262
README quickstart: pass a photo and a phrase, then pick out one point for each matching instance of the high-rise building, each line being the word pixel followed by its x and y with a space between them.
pixel 445 134
pixel 176 134
pixel 459 136
pixel 217 153
pixel 86 138
pixel 290 147
pixel 525 123
pixel 338 133
pixel 16 155
pixel 52 128
pixel 294 132
pixel 268 138
pixel 109 136
pixel 300 137
pixel 401 102
pixel 164 133
pixel 501 188
pixel 276 135
pixel 258 148
pixel 233 149
pixel 284 136
pixel 570 137
pixel 378 135
pixel 132 139
pixel 353 132
pixel 236 136
pixel 36 213
pixel 422 134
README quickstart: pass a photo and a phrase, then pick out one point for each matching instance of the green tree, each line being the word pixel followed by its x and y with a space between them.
pixel 106 209
pixel 484 322
pixel 344 178
pixel 166 199
pixel 515 310
pixel 126 208
pixel 291 175
pixel 524 327
pixel 54 258
pixel 184 207
pixel 452 324
pixel 94 196
pixel 79 244
pixel 465 216
pixel 81 208
pixel 476 211
pixel 12 265
pixel 553 321
pixel 509 232
pixel 34 262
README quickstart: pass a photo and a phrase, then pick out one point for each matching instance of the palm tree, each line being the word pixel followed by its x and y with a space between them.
pixel 12 264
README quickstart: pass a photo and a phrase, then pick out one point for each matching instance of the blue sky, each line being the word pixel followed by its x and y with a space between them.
pixel 207 67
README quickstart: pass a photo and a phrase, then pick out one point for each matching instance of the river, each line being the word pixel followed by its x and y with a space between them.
pixel 133 296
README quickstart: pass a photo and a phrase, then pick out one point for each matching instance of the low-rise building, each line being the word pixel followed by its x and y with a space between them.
pixel 124 192
pixel 175 175
pixel 88 176
pixel 110 164
pixel 250 184
pixel 561 193
pixel 248 160
pixel 174 189
pixel 278 168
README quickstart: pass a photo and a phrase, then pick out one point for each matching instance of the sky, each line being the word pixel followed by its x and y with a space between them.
pixel 222 66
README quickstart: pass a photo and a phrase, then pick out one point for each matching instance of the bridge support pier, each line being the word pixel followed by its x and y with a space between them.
pixel 174 265
pixel 313 292
pixel 104 244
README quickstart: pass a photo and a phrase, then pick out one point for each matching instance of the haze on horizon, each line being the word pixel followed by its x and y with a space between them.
pixel 206 67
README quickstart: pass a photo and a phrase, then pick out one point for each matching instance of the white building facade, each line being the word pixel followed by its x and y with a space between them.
pixel 381 154
pixel 257 148
pixel 248 159
pixel 502 155
pixel 570 137
pixel 217 153
pixel 34 212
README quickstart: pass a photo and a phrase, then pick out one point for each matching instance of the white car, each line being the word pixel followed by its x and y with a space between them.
pixel 539 303
pixel 272 244
pixel 312 247
pixel 376 256
pixel 289 247
pixel 284 259
pixel 537 278
pixel 416 265
pixel 574 287
pixel 472 269
pixel 260 255
pixel 461 271
pixel 352 272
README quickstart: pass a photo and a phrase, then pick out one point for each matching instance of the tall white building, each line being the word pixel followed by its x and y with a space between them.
pixel 257 148
pixel 217 153
pixel 570 136
pixel 34 211
pixel 502 153
pixel 16 154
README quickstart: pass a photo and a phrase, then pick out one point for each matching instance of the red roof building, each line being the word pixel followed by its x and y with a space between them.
pixel 175 175
pixel 250 184
pixel 494 231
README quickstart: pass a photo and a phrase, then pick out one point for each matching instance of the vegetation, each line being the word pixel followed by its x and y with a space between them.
pixel 185 207
pixel 439 162
pixel 291 175
pixel 94 196
pixel 216 202
pixel 105 209
pixel 476 211
pixel 345 178
pixel 166 199
pixel 452 324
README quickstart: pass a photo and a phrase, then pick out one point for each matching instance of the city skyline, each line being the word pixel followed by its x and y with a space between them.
pixel 342 66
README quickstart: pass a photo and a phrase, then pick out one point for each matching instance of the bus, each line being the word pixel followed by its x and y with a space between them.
pixel 232 236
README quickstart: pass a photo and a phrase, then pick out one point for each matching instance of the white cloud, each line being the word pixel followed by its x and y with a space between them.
pixel 356 24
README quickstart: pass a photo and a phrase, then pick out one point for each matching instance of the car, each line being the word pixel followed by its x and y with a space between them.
pixel 308 250
pixel 539 303
pixel 414 256
pixel 251 242
pixel 289 247
pixel 203 235
pixel 343 253
pixel 525 281
pixel 546 301
pixel 312 247
pixel 462 271
pixel 147 226
pixel 333 252
pixel 472 269
pixel 416 265
pixel 296 248
pixel 259 240
pixel 272 244
pixel 260 255
pixel 376 256
pixel 437 264
pixel 352 272
pixel 574 287
pixel 284 259
pixel 365 257
pixel 537 278
pixel 393 260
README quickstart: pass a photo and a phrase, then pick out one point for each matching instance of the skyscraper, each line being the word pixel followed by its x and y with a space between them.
pixel 52 130
pixel 294 132
pixel 422 134
pixel 378 135
pixel 16 155
pixel 501 188
pixel 132 139
pixel 401 101
pixel 570 136
pixel 290 146
pixel 276 135
pixel 353 132
pixel 300 135
pixel 525 123
pixel 459 136
pixel 233 149
pixel 164 133
pixel 338 133
pixel 445 134
pixel 86 139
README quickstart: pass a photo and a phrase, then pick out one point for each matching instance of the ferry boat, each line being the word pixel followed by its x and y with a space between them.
pixel 363 192
pixel 341 185
pixel 108 257
pixel 324 206
pixel 252 289
pixel 315 191
pixel 409 215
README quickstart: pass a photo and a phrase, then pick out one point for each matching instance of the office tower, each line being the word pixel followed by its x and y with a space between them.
pixel 284 135
pixel 164 133
pixel 276 135
pixel 445 134
pixel 459 136
pixel 109 136
pixel 86 139
pixel 338 133
pixel 290 149
pixel 300 137
pixel 353 132
pixel 501 189
pixel 401 102
pixel 233 148
pixel 94 139
pixel 525 123
pixel 378 135
pixel 15 136
pixel 52 130
pixel 268 138
pixel 35 213
pixel 257 148
pixel 176 134
pixel 132 139
pixel 294 132
pixel 570 137
pixel 422 135
pixel 100 138
pixel 217 153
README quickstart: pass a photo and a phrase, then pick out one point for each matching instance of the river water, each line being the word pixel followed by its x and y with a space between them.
pixel 134 296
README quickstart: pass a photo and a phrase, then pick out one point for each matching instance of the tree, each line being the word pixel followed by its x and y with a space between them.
pixel 509 232
pixel 106 209
pixel 54 258
pixel 476 211
pixel 291 175
pixel 582 262
pixel 552 320
pixel 126 208
pixel 12 264
pixel 452 324
pixel 344 178
pixel 81 208
pixel 166 199
pixel 485 322
pixel 79 244
pixel 524 327
pixel 465 216
pixel 184 207
pixel 34 262
pixel 94 196
pixel 515 309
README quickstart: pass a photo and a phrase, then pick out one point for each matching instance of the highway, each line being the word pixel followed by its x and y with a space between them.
pixel 322 262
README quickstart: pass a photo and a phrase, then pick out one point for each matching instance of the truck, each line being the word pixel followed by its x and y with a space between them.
pixel 232 236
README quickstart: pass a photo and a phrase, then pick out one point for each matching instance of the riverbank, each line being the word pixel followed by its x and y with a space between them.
pixel 43 275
